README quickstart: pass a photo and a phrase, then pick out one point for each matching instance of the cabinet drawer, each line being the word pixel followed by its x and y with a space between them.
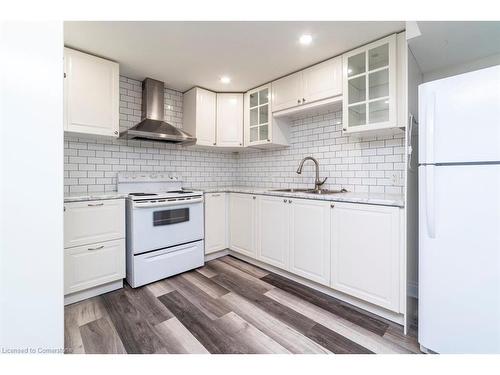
pixel 93 221
pixel 91 265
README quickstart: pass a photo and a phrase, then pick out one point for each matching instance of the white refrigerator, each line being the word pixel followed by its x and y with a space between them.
pixel 459 213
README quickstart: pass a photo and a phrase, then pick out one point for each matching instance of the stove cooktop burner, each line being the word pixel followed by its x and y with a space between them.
pixel 142 194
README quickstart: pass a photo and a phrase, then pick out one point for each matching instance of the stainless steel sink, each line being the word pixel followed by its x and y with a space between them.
pixel 311 191
pixel 327 191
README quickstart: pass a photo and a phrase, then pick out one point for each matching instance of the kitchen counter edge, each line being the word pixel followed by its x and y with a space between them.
pixel 81 197
pixel 381 199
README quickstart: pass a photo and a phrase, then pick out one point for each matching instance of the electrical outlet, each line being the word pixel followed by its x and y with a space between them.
pixel 396 179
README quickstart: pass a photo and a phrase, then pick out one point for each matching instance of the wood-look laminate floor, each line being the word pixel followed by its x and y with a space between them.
pixel 227 306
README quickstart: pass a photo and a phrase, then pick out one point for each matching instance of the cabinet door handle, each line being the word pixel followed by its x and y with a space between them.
pixel 95 204
pixel 332 205
pixel 215 143
pixel 284 200
pixel 254 197
pixel 298 101
pixel 289 201
pixel 303 100
pixel 116 133
pixel 96 248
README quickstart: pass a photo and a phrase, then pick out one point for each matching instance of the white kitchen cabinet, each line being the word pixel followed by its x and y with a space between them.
pixel 261 130
pixel 366 253
pixel 229 120
pixel 316 83
pixel 322 81
pixel 215 222
pixel 287 92
pixel 200 115
pixel 310 239
pixel 93 221
pixel 242 223
pixel 369 80
pixel 88 266
pixel 94 248
pixel 91 94
pixel 273 230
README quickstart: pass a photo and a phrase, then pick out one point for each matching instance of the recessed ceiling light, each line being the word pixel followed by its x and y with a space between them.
pixel 225 79
pixel 305 39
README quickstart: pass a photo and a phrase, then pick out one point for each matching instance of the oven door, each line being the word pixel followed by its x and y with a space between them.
pixel 156 226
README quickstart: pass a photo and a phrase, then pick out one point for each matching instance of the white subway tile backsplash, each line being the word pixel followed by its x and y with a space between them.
pixel 362 165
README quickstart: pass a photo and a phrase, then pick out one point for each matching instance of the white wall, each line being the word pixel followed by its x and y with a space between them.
pixel 31 183
pixel 469 66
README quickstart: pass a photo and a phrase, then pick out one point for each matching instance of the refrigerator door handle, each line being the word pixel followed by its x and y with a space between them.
pixel 430 114
pixel 430 206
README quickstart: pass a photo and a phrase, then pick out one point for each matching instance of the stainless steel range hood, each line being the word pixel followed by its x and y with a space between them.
pixel 153 127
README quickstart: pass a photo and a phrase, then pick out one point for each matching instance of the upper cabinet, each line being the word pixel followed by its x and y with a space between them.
pixel 229 120
pixel 91 94
pixel 322 81
pixel 314 84
pixel 369 76
pixel 200 115
pixel 215 119
pixel 261 129
pixel 287 92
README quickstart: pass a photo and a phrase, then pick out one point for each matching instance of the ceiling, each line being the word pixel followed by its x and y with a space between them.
pixel 443 44
pixel 187 54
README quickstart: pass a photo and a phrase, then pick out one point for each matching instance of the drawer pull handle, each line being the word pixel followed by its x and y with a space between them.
pixel 95 204
pixel 215 195
pixel 96 248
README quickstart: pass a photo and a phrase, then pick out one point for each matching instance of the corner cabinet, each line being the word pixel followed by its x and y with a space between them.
pixel 200 115
pixel 260 129
pixel 369 86
pixel 91 94
pixel 229 120
pixel 365 244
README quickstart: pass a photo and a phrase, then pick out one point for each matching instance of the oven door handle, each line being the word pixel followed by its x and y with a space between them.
pixel 167 203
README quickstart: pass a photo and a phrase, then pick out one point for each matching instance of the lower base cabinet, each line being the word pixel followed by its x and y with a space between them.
pixel 88 266
pixel 310 239
pixel 350 247
pixel 365 248
pixel 242 223
pixel 215 222
pixel 94 247
pixel 273 230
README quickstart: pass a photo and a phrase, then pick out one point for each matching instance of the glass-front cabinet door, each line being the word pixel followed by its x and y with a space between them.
pixel 369 78
pixel 258 115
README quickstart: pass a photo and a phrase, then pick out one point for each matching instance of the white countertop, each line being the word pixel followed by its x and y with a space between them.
pixel 396 200
pixel 383 199
pixel 93 196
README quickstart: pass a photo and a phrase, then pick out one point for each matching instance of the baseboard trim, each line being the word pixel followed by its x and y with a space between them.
pixel 215 255
pixel 92 292
pixel 379 311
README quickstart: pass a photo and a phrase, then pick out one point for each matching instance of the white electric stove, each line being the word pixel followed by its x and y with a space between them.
pixel 165 226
